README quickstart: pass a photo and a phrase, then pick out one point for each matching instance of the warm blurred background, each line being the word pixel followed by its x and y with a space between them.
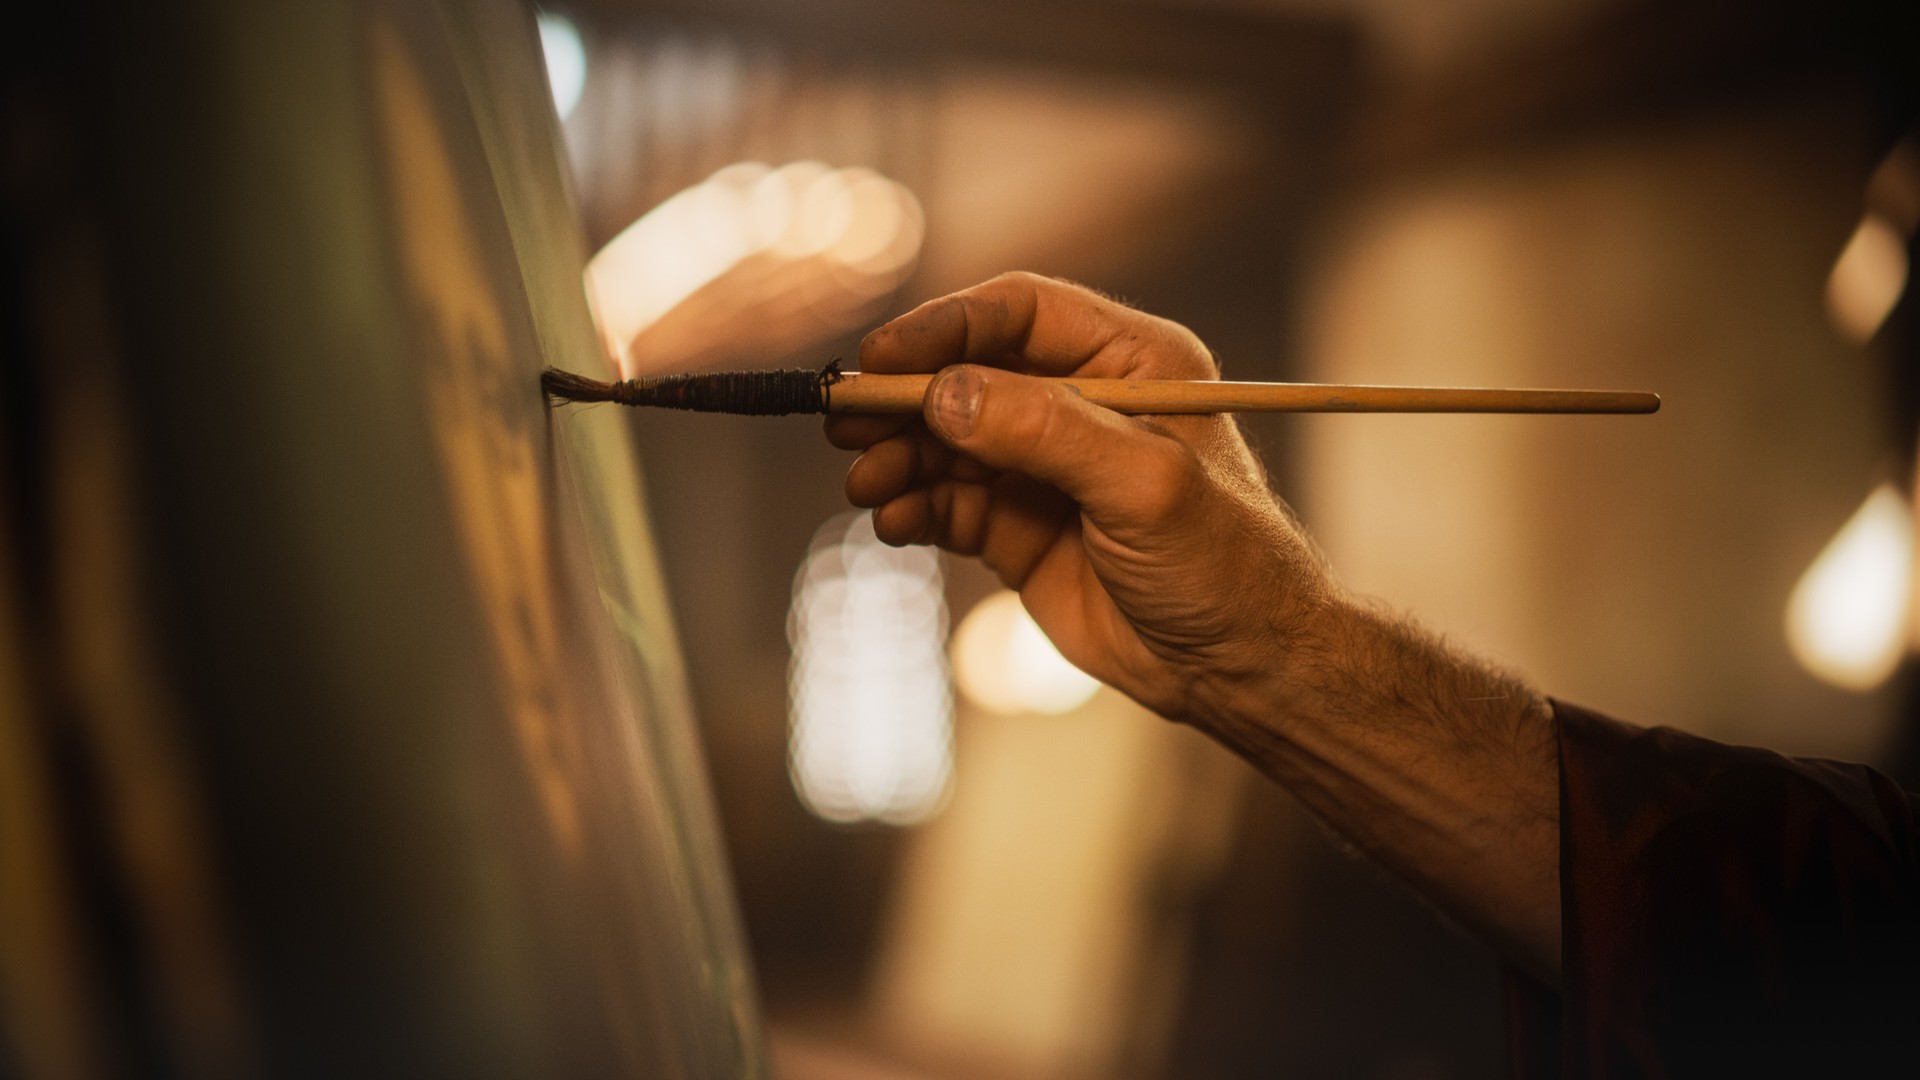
pixel 955 858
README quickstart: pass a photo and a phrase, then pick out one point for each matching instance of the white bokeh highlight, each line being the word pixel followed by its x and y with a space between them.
pixel 566 60
pixel 849 234
pixel 1847 616
pixel 871 734
pixel 1004 663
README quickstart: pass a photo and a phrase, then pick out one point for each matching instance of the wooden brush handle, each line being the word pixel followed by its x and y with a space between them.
pixel 862 393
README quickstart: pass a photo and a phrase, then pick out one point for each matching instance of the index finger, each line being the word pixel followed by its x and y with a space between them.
pixel 1039 326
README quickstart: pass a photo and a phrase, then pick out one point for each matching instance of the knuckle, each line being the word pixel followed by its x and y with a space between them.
pixel 1026 279
pixel 1189 357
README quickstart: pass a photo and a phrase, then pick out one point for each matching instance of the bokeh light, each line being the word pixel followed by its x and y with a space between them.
pixel 1847 617
pixel 1004 663
pixel 871 707
pixel 803 247
pixel 566 60
pixel 1867 279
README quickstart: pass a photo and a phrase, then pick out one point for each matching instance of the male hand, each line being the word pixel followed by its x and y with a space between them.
pixel 1149 549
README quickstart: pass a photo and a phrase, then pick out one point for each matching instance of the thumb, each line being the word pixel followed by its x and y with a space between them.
pixel 1117 469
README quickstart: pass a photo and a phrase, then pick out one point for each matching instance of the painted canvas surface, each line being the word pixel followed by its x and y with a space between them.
pixel 345 727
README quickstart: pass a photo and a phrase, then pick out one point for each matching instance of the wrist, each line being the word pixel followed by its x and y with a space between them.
pixel 1281 678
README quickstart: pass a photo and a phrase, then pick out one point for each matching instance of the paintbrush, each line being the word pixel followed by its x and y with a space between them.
pixel 830 390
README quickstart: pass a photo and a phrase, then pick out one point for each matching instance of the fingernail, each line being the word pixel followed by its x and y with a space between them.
pixel 953 400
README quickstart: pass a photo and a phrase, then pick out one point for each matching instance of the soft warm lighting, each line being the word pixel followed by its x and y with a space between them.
pixel 835 239
pixel 823 216
pixel 872 715
pixel 566 60
pixel 884 225
pixel 678 246
pixel 1004 662
pixel 1867 280
pixel 1847 618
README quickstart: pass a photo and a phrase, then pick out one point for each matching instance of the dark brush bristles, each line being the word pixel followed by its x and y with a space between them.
pixel 745 393
pixel 563 386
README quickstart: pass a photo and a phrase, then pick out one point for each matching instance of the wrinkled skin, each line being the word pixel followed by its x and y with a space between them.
pixel 1149 549
pixel 1153 554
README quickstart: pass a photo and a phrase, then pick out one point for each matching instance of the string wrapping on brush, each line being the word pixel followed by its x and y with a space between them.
pixel 746 393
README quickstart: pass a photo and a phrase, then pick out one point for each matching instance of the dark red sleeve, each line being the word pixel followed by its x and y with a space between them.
pixel 1725 912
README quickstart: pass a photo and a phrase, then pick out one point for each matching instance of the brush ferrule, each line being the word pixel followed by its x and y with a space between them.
pixel 744 393
pixel 748 393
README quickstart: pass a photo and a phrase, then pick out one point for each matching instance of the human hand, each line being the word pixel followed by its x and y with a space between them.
pixel 1148 548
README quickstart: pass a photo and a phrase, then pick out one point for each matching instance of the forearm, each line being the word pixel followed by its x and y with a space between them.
pixel 1440 768
pixel 1154 555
